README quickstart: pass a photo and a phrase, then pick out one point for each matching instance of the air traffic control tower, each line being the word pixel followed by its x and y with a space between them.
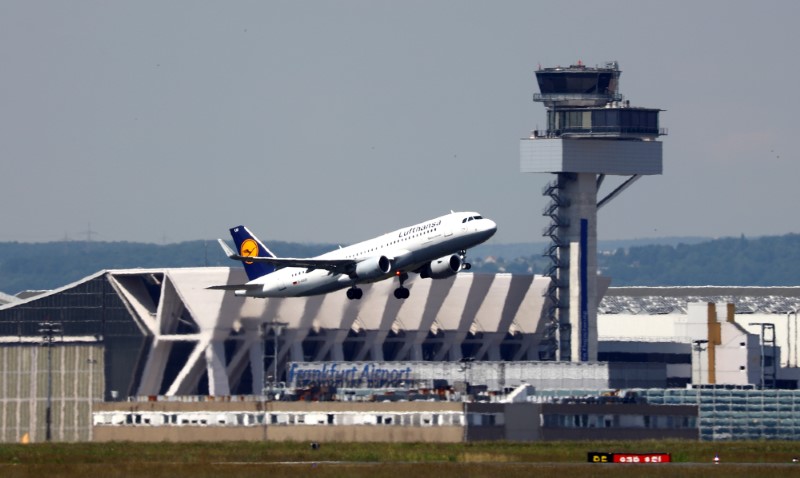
pixel 591 133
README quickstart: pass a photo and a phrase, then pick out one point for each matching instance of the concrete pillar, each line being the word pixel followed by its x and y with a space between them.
pixel 579 294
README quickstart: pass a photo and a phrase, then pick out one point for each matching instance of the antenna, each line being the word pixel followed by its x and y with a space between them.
pixel 89 232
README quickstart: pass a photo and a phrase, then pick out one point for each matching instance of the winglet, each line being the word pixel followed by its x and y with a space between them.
pixel 228 251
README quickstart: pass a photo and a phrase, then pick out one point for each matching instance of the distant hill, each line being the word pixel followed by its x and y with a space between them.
pixel 763 261
pixel 49 265
pixel 521 249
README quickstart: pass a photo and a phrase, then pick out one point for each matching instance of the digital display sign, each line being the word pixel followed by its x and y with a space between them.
pixel 595 457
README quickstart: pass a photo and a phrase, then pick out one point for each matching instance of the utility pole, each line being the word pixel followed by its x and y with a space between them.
pixel 49 330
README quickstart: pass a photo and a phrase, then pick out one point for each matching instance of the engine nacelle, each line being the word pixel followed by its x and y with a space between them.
pixel 442 267
pixel 373 268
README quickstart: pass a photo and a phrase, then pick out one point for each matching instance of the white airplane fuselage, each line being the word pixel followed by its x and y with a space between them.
pixel 409 249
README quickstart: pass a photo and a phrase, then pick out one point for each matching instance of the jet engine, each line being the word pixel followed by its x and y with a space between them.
pixel 442 267
pixel 373 268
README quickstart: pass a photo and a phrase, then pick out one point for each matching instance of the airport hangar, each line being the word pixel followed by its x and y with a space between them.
pixel 145 332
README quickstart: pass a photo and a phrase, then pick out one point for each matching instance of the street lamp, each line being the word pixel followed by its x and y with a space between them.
pixel 698 347
pixel 49 330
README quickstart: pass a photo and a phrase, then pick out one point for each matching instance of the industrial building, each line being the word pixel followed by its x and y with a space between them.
pixel 743 336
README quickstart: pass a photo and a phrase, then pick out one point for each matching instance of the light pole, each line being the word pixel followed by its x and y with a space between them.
pixel 791 343
pixel 698 346
pixel 277 328
pixel 49 330
pixel 466 364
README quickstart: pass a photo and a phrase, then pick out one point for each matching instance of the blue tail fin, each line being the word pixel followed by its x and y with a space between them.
pixel 248 245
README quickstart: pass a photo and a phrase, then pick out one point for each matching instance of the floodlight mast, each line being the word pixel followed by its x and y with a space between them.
pixel 591 132
pixel 49 330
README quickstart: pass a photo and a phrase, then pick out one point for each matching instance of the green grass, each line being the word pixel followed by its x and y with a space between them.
pixel 495 459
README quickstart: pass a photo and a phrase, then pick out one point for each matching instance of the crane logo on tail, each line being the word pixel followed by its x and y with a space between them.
pixel 249 248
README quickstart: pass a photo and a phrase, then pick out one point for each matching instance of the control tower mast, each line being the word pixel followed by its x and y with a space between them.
pixel 591 133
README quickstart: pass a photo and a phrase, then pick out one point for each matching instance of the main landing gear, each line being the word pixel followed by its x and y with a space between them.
pixel 402 292
pixel 354 293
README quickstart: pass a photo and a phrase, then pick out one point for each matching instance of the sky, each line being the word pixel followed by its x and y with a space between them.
pixel 325 122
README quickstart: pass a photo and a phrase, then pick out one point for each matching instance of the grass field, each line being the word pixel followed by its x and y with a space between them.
pixel 375 460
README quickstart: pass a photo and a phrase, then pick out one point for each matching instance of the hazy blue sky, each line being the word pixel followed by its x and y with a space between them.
pixel 335 121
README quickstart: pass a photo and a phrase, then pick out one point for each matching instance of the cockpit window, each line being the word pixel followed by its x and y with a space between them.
pixel 478 217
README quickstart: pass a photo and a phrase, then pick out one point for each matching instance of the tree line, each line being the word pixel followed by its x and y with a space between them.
pixel 763 261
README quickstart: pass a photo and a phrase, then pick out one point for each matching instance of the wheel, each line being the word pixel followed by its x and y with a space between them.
pixel 358 293
pixel 401 293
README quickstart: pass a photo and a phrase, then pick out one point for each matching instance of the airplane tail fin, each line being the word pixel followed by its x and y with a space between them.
pixel 247 244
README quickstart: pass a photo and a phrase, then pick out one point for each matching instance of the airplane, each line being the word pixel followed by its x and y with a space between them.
pixel 434 249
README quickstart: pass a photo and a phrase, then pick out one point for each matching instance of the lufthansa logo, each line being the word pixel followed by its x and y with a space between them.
pixel 249 248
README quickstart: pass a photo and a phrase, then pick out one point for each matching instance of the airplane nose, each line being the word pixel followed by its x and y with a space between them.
pixel 491 227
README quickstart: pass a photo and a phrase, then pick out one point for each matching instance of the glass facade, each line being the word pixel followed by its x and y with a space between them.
pixel 618 121
pixel 577 82
pixel 737 414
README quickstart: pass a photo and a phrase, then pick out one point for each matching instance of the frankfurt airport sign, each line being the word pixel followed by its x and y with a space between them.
pixel 346 374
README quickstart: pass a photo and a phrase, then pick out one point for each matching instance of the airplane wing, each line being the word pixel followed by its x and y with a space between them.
pixel 333 265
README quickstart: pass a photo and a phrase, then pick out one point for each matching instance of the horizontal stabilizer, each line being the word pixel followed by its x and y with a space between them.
pixel 236 287
pixel 333 265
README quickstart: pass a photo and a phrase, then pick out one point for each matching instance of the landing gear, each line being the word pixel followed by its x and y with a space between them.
pixel 354 293
pixel 402 292
pixel 465 266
